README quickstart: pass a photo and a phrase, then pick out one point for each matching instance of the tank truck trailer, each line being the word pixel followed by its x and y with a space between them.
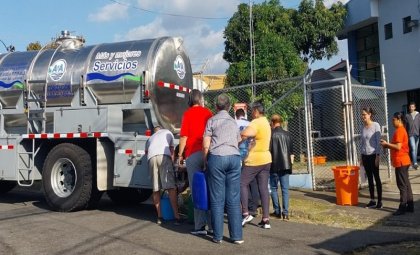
pixel 78 117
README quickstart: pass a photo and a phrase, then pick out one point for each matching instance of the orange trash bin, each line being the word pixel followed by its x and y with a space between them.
pixel 346 184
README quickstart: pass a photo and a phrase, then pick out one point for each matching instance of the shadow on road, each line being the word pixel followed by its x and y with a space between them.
pixel 388 230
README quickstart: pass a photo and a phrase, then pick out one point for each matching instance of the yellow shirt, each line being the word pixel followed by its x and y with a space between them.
pixel 259 152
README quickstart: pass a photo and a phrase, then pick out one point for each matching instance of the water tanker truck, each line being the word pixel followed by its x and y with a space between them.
pixel 78 117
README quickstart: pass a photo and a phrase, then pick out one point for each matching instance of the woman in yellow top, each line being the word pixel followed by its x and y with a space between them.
pixel 257 164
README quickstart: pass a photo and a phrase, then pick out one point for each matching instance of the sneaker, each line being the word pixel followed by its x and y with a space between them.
pixel 216 241
pixel 371 204
pixel 264 224
pixel 275 215
pixel 410 207
pixel 159 220
pixel 202 231
pixel 379 205
pixel 246 219
pixel 285 216
pixel 238 241
pixel 415 166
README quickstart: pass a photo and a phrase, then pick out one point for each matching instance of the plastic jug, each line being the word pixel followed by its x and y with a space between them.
pixel 165 207
pixel 199 191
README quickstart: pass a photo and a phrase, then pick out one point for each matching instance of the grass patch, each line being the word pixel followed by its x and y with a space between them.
pixel 316 212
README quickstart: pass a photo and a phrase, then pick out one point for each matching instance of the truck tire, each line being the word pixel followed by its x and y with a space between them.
pixel 67 178
pixel 125 196
pixel 6 186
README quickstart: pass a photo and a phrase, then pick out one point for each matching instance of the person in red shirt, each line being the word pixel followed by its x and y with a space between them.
pixel 191 147
pixel 400 159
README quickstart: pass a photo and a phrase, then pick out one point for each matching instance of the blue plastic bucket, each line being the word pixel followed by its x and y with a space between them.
pixel 165 208
pixel 199 191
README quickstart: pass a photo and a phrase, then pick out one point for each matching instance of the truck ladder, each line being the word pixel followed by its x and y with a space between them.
pixel 25 176
pixel 35 107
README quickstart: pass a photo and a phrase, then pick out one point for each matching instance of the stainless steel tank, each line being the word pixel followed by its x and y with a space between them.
pixel 112 71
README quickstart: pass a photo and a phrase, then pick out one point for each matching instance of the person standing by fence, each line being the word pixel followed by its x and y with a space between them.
pixel 220 149
pixel 191 140
pixel 401 161
pixel 160 155
pixel 371 149
pixel 281 148
pixel 412 125
pixel 257 164
pixel 254 198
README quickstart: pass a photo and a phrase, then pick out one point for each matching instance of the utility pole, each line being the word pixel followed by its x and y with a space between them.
pixel 252 49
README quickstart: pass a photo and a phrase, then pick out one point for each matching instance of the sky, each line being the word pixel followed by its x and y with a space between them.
pixel 199 22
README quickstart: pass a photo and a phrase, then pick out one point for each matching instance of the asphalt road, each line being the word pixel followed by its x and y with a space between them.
pixel 27 226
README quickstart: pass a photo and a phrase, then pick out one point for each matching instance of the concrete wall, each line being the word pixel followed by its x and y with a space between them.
pixel 359 11
pixel 395 104
pixel 352 51
pixel 400 54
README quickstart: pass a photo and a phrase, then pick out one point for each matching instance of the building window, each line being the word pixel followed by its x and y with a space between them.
pixel 388 31
pixel 406 27
pixel 368 62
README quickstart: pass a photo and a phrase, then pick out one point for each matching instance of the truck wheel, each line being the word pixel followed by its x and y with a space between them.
pixel 129 195
pixel 67 178
pixel 6 186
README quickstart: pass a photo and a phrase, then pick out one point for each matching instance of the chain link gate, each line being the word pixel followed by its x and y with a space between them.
pixel 335 124
pixel 284 97
pixel 326 130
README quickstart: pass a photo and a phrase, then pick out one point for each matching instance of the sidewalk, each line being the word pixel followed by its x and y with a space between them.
pixel 390 199
pixel 382 228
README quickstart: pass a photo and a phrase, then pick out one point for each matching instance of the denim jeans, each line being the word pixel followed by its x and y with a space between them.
pixel 195 163
pixel 414 144
pixel 224 174
pixel 284 185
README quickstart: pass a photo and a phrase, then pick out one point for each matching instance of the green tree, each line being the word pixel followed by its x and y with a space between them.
pixel 37 45
pixel 316 28
pixel 285 39
pixel 34 46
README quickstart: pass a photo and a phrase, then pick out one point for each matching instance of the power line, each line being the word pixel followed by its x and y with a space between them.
pixel 165 13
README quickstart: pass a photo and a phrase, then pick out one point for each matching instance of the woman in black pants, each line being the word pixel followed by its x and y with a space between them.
pixel 401 161
pixel 371 138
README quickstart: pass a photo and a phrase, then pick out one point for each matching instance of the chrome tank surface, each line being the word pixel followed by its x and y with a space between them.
pixel 13 71
pixel 113 72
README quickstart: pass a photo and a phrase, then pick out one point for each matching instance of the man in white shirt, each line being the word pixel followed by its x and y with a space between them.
pixel 412 120
pixel 160 155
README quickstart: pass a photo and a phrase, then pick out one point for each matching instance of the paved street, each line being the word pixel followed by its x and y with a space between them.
pixel 27 226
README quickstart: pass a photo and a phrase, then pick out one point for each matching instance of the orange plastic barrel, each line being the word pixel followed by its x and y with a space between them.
pixel 346 184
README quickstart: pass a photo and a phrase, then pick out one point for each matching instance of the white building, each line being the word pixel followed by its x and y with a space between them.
pixel 386 32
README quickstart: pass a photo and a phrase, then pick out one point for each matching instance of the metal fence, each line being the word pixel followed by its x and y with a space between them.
pixel 284 97
pixel 326 129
